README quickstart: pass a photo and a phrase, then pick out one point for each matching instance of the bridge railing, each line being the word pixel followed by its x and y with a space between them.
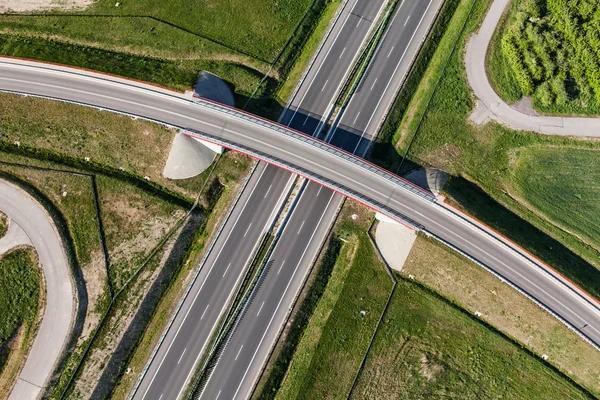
pixel 313 176
pixel 300 136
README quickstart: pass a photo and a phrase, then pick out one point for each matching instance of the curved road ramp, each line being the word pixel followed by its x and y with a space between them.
pixel 58 316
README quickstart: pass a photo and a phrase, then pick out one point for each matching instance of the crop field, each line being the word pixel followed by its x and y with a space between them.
pixel 20 291
pixel 427 348
pixel 550 50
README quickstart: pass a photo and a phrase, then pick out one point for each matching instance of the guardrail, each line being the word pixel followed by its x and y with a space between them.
pixel 302 137
pixel 313 176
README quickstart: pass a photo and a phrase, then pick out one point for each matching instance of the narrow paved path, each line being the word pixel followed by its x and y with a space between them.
pixel 56 323
pixel 476 74
pixel 15 236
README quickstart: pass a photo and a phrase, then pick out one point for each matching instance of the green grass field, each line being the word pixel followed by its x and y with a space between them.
pixel 19 296
pixel 482 158
pixel 428 349
pixel 256 27
pixel 466 284
pixel 336 338
pixel 549 50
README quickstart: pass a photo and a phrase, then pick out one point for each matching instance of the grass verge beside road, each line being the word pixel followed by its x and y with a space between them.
pixel 167 46
pixel 21 302
pixel 230 171
pixel 470 286
pixel 428 348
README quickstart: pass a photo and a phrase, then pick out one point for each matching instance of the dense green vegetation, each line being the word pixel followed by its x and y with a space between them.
pixel 550 49
pixel 427 348
pixel 19 295
pixel 3 224
pixel 482 158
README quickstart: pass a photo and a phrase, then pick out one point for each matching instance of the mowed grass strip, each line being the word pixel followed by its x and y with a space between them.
pixel 556 181
pixel 20 299
pixel 427 348
pixel 473 288
pixel 337 335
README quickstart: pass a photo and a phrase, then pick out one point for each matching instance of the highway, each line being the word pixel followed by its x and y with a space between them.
pixel 337 170
pixel 377 90
pixel 173 363
pixel 248 349
pixel 59 301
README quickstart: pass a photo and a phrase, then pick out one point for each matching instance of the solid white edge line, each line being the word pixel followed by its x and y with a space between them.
pixel 200 289
pixel 283 296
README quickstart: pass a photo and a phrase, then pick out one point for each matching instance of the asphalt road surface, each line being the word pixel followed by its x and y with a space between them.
pixel 170 369
pixel 60 307
pixel 335 169
pixel 242 360
pixel 383 78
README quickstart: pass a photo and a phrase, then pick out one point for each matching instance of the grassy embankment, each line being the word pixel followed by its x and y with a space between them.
pixel 549 50
pixel 488 157
pixel 169 43
pixel 419 350
pixel 471 287
pixel 21 297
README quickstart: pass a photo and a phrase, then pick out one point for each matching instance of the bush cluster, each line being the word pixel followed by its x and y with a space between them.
pixel 553 50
